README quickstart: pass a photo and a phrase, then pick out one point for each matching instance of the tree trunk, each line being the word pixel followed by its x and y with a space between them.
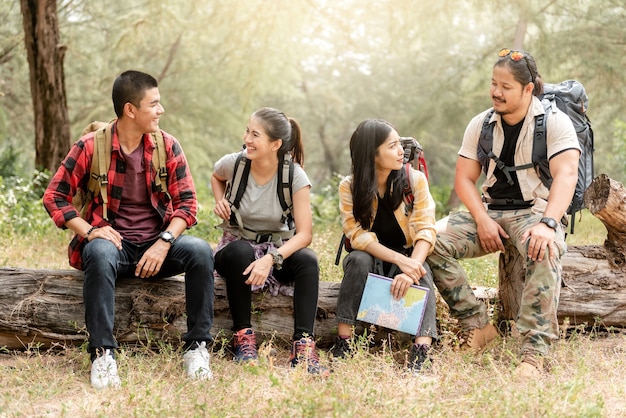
pixel 47 82
pixel 594 277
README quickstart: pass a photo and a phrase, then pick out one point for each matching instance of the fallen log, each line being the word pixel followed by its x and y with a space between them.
pixel 45 307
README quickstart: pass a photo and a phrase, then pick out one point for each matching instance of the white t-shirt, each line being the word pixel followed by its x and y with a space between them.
pixel 260 207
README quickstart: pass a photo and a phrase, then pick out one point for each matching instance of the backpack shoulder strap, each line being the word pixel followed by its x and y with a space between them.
pixel 540 144
pixel 285 189
pixel 485 141
pixel 239 181
pixel 100 163
pixel 159 159
pixel 485 149
pixel 237 184
pixel 409 197
pixel 541 152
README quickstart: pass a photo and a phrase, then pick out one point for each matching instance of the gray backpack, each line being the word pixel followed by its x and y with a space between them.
pixel 571 98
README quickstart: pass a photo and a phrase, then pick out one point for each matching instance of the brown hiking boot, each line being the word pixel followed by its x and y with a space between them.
pixel 531 366
pixel 477 339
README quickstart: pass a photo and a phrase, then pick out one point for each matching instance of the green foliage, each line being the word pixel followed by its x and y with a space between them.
pixel 21 210
pixel 618 156
pixel 327 64
pixel 11 160
pixel 325 202
pixel 440 194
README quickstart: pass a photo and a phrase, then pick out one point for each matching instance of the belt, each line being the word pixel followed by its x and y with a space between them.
pixel 504 202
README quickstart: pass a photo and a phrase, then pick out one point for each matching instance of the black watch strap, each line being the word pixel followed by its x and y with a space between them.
pixel 551 222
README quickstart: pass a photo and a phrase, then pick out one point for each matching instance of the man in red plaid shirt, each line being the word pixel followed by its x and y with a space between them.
pixel 141 236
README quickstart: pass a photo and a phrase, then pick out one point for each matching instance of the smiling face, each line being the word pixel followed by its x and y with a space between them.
pixel 149 111
pixel 258 143
pixel 509 97
pixel 390 154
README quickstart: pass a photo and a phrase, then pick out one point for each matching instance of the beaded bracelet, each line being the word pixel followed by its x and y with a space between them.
pixel 89 232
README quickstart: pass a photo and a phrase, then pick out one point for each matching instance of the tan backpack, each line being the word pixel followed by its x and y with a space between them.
pixel 101 161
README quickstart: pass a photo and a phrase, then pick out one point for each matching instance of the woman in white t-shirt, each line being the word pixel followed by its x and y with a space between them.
pixel 259 248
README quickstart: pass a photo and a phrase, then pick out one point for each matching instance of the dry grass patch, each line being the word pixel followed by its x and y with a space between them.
pixel 585 379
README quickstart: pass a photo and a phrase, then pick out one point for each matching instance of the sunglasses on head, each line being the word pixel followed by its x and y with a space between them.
pixel 517 56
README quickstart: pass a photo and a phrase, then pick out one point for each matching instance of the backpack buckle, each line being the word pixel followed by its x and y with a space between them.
pixel 263 238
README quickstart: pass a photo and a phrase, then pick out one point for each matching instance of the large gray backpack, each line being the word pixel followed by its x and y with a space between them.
pixel 571 98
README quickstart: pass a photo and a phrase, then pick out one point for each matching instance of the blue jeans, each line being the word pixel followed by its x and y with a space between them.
pixel 104 263
pixel 356 266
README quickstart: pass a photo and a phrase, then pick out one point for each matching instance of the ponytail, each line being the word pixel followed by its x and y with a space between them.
pixel 297 147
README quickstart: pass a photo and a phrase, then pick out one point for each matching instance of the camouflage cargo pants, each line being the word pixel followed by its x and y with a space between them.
pixel 458 239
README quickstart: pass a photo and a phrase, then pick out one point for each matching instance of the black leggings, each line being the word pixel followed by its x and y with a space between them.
pixel 301 268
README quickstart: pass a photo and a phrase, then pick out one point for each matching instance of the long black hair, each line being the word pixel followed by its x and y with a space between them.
pixel 364 143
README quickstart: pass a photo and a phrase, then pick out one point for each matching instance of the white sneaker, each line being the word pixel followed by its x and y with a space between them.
pixel 196 363
pixel 104 372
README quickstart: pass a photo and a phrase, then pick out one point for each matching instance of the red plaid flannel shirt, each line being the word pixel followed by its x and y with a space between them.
pixel 179 201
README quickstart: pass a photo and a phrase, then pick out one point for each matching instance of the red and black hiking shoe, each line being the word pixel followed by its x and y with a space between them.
pixel 244 341
pixel 304 352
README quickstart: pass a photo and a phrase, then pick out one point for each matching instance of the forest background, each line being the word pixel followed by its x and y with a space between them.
pixel 424 66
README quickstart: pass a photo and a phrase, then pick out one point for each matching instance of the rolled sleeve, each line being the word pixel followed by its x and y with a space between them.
pixel 561 134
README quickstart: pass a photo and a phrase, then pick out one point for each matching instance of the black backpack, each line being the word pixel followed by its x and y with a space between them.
pixel 237 186
pixel 571 98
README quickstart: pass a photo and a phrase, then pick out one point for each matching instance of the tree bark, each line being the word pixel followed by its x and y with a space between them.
pixel 47 82
pixel 46 307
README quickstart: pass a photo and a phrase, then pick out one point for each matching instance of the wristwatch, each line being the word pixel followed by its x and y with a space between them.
pixel 167 236
pixel 550 222
pixel 278 259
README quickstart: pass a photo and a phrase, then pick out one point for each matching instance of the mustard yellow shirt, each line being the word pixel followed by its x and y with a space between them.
pixel 417 225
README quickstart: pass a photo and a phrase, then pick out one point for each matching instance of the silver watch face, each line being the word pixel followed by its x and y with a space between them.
pixel 278 258
pixel 167 236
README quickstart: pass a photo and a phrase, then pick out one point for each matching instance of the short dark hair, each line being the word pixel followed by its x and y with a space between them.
pixel 524 71
pixel 130 87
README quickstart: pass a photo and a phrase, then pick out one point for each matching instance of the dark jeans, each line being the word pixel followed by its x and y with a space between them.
pixel 104 263
pixel 301 268
pixel 356 266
